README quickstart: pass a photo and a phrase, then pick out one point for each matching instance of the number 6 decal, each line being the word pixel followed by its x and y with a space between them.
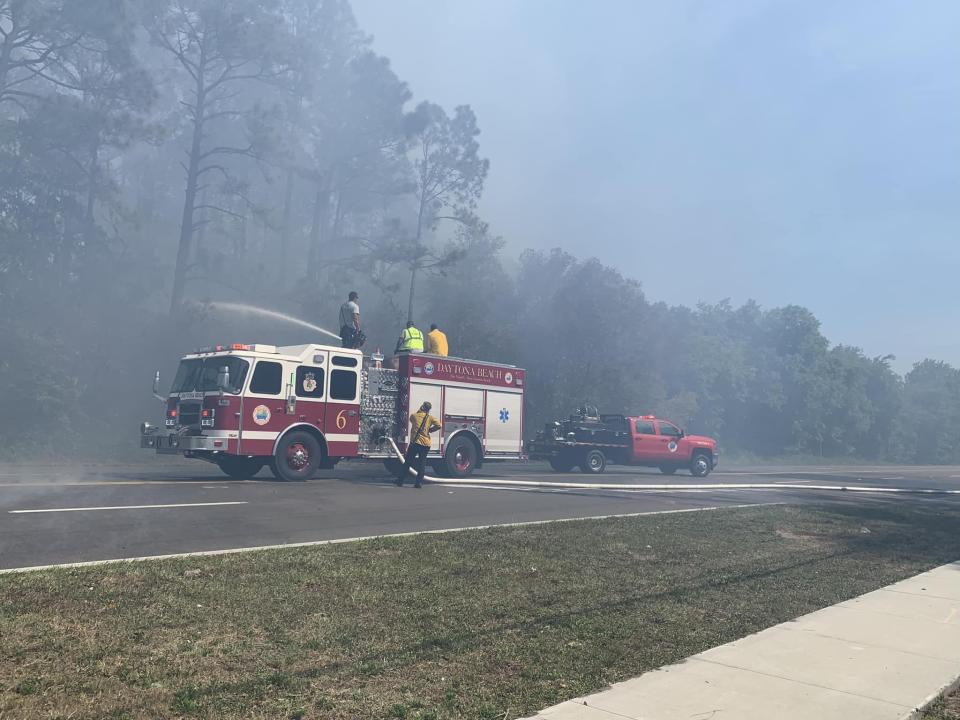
pixel 341 420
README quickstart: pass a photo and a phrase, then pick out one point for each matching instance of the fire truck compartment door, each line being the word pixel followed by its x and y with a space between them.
pixel 463 402
pixel 420 394
pixel 504 422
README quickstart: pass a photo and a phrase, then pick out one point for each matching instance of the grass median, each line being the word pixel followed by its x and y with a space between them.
pixel 479 624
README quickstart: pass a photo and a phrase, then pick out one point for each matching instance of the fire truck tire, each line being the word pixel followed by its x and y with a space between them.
pixel 240 468
pixel 668 469
pixel 439 468
pixel 594 462
pixel 562 464
pixel 460 457
pixel 700 465
pixel 297 457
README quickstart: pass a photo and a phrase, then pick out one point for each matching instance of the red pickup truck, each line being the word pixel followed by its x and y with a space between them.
pixel 590 441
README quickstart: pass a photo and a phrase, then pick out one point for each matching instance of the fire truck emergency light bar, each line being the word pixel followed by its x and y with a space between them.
pixel 237 346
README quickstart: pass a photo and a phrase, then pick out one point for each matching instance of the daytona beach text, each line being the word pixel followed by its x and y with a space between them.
pixel 475 371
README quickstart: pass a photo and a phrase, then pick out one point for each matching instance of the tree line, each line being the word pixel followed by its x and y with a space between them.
pixel 157 155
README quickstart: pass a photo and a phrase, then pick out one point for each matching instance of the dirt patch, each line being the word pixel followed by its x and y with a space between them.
pixel 808 539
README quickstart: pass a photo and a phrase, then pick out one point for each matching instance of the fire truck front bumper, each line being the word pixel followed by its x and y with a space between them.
pixel 173 443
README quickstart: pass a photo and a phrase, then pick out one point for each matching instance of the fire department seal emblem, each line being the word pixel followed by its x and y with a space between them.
pixel 672 446
pixel 309 383
pixel 261 414
pixel 508 378
pixel 428 368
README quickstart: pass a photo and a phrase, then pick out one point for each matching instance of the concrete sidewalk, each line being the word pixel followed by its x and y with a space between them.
pixel 877 657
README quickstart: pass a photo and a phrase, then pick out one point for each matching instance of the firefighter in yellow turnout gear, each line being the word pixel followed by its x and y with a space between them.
pixel 437 342
pixel 422 423
pixel 411 339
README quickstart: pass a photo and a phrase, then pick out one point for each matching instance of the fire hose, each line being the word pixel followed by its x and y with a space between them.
pixel 662 487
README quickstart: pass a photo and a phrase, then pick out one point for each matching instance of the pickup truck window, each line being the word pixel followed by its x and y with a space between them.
pixel 645 427
pixel 668 429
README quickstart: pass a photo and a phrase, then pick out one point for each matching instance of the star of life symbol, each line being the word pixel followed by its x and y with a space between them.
pixel 504 415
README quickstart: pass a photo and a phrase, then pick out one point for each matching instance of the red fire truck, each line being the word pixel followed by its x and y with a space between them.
pixel 305 407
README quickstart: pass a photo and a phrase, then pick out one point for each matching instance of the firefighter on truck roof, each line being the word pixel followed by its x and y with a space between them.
pixel 437 342
pixel 350 321
pixel 410 340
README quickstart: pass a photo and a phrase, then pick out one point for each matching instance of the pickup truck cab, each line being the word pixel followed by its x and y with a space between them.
pixel 591 441
pixel 660 443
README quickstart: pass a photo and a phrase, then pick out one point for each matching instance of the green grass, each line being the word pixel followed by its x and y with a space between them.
pixel 485 624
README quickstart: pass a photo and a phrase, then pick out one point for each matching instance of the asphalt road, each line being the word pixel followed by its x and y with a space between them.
pixel 97 512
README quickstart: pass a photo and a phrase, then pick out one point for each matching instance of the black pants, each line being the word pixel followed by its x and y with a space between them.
pixel 416 459
pixel 347 335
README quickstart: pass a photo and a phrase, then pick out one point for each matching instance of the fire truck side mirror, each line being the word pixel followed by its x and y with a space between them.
pixel 223 379
pixel 156 388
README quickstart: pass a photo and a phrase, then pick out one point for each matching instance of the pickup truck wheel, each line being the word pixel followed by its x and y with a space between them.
pixel 239 468
pixel 297 457
pixel 668 469
pixel 562 464
pixel 700 466
pixel 594 462
pixel 460 457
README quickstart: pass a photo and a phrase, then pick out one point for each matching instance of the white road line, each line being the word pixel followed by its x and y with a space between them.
pixel 315 543
pixel 792 485
pixel 124 482
pixel 125 507
pixel 606 488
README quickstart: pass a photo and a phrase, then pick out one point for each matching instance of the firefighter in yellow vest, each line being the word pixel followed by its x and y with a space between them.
pixel 422 423
pixel 411 339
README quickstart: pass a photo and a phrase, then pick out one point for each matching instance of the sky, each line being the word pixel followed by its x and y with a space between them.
pixel 792 152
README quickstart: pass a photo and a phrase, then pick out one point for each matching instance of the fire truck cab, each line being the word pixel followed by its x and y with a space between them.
pixel 304 407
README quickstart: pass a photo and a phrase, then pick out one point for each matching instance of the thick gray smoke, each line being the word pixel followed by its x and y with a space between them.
pixel 180 174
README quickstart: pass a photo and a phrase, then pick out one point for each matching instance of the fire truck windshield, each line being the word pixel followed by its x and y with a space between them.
pixel 201 374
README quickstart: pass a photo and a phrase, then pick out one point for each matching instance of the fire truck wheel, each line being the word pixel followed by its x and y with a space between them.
pixel 594 462
pixel 239 468
pixel 700 465
pixel 439 468
pixel 668 469
pixel 460 458
pixel 297 457
pixel 562 464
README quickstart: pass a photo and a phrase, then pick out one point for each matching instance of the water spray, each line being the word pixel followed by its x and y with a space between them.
pixel 273 314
